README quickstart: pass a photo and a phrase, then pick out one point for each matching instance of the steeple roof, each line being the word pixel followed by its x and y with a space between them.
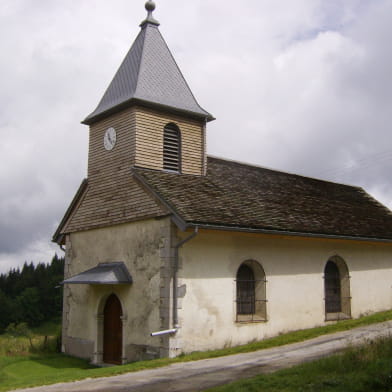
pixel 150 76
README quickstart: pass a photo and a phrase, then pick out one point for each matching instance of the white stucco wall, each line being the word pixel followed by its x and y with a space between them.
pixel 294 269
pixel 140 246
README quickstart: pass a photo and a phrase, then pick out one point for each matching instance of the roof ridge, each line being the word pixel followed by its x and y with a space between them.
pixel 182 75
pixel 255 166
pixel 106 102
pixel 144 29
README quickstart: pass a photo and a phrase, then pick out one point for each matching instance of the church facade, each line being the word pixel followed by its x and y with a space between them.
pixel 170 251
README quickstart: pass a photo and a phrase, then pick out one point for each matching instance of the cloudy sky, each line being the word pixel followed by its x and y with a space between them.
pixel 297 85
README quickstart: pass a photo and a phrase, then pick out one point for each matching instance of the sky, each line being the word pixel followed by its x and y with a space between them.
pixel 303 86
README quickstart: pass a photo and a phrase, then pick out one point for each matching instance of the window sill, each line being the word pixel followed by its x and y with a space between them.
pixel 250 318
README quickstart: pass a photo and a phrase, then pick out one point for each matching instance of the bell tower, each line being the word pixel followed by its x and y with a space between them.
pixel 148 116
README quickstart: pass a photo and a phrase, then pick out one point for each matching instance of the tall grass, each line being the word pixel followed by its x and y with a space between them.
pixel 19 340
pixel 12 346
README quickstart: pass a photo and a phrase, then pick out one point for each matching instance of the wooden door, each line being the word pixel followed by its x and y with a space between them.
pixel 112 331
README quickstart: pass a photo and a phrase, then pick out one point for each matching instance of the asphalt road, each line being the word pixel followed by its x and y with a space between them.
pixel 206 373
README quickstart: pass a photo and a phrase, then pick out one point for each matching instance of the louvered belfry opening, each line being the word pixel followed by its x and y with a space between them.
pixel 172 148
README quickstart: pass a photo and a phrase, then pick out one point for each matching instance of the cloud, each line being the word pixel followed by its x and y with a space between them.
pixel 36 251
pixel 319 104
pixel 301 86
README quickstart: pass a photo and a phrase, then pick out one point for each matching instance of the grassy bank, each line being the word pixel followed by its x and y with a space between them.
pixel 22 369
pixel 362 369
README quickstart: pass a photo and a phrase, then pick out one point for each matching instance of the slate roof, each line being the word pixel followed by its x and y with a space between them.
pixel 148 75
pixel 103 273
pixel 240 196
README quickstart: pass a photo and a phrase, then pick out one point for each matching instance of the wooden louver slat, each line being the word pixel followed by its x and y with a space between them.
pixel 171 148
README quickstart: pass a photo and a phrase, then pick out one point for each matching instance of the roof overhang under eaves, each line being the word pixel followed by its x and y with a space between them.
pixel 103 273
pixel 99 115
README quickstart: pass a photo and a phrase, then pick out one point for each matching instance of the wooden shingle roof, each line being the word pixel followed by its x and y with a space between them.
pixel 240 196
pixel 97 204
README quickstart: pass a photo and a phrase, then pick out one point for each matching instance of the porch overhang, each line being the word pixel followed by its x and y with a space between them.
pixel 104 273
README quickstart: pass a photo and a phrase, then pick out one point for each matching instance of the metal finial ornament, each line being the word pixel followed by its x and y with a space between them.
pixel 150 6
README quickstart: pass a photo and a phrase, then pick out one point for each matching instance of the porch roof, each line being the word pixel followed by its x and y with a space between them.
pixel 103 273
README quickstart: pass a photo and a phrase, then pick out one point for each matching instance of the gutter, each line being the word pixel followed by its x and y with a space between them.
pixel 284 232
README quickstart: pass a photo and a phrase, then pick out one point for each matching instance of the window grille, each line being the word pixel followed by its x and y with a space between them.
pixel 337 290
pixel 171 148
pixel 251 303
pixel 333 300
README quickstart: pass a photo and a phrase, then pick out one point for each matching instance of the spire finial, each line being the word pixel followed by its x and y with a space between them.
pixel 150 6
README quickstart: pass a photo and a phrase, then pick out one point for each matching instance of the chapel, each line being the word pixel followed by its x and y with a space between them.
pixel 169 251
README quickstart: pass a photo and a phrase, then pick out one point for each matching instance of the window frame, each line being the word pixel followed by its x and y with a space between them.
pixel 258 303
pixel 169 151
pixel 344 312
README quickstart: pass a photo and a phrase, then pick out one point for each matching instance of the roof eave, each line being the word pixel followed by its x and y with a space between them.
pixel 212 226
pixel 92 118
pixel 58 237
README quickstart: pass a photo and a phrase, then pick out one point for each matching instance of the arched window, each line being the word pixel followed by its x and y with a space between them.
pixel 333 295
pixel 245 290
pixel 172 148
pixel 337 290
pixel 251 292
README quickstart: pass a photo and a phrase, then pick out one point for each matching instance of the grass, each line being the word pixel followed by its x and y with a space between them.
pixel 33 370
pixel 18 368
pixel 362 369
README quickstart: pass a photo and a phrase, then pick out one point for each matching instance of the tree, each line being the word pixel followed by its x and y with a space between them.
pixel 6 310
pixel 31 294
pixel 29 307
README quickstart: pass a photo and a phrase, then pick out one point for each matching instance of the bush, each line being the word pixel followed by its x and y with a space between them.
pixel 20 330
pixel 48 344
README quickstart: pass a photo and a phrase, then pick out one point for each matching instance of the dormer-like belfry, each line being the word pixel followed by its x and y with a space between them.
pixel 149 76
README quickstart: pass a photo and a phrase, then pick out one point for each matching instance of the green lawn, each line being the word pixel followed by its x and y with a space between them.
pixel 364 369
pixel 20 369
pixel 22 372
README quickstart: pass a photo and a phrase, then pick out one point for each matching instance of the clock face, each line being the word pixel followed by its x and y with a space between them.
pixel 109 140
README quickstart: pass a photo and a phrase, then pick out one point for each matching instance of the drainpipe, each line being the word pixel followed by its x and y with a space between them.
pixel 175 287
pixel 175 276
